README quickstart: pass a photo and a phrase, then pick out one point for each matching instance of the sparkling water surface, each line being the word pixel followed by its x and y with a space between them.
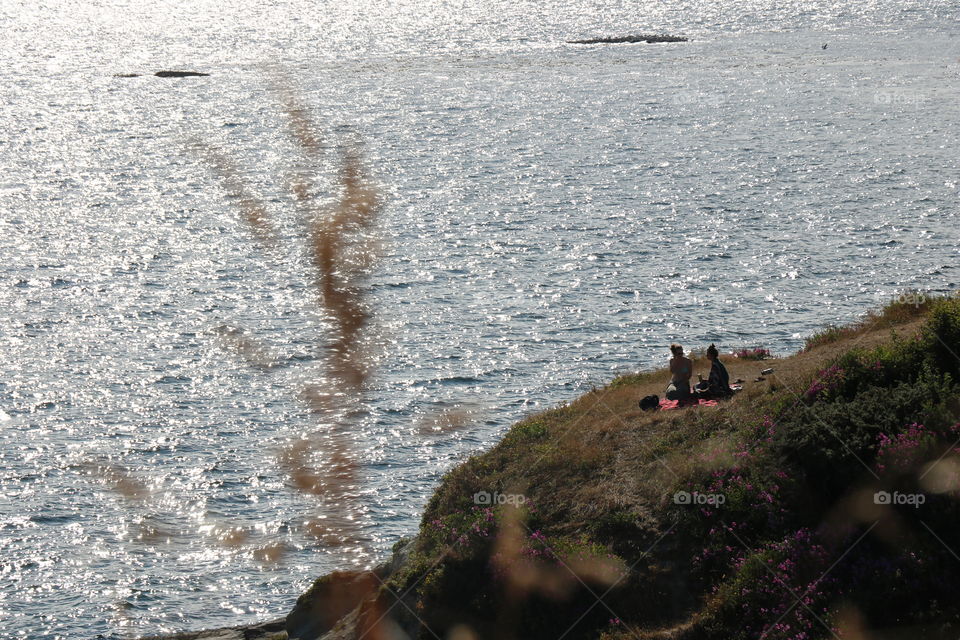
pixel 553 214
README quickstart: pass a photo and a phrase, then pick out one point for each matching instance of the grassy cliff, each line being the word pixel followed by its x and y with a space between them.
pixel 819 502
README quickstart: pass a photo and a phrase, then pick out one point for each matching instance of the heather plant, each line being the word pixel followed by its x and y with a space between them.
pixel 902 452
pixel 778 568
pixel 459 531
pixel 780 591
pixel 795 587
pixel 833 436
pixel 850 373
pixel 759 496
pixel 754 353
pixel 832 444
pixel 826 384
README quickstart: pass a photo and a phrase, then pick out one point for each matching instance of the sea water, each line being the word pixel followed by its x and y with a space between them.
pixel 552 215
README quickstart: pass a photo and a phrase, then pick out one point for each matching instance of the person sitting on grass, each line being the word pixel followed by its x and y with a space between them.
pixel 681 369
pixel 717 384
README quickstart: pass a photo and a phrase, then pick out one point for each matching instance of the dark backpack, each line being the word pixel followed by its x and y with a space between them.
pixel 650 403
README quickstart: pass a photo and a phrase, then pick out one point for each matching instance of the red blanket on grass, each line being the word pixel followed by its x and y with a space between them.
pixel 667 405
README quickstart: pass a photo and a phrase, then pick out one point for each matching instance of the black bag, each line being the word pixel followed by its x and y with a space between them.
pixel 650 403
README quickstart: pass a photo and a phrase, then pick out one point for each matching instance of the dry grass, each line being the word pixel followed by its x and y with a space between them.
pixel 342 245
pixel 343 249
pixel 603 450
pixel 909 306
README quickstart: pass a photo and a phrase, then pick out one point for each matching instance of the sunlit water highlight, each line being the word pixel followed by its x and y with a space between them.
pixel 554 214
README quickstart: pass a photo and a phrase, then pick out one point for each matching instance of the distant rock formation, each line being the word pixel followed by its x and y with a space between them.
pixel 179 74
pixel 164 74
pixel 651 38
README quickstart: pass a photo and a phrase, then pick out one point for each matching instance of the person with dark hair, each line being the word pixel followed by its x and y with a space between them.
pixel 717 385
pixel 681 369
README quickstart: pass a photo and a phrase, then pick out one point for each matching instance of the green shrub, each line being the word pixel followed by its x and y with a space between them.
pixel 871 418
pixel 525 432
pixel 832 444
pixel 942 334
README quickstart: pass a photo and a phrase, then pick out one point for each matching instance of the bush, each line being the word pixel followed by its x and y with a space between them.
pixel 759 601
pixel 832 444
pixel 755 353
pixel 871 419
pixel 942 334
pixel 525 432
pixel 823 571
pixel 884 412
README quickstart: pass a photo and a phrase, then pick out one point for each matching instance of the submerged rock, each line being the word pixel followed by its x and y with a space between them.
pixel 165 74
pixel 651 38
pixel 179 74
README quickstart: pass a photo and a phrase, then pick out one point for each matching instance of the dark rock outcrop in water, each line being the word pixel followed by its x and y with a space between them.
pixel 165 74
pixel 343 605
pixel 348 604
pixel 331 599
pixel 179 74
pixel 651 38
